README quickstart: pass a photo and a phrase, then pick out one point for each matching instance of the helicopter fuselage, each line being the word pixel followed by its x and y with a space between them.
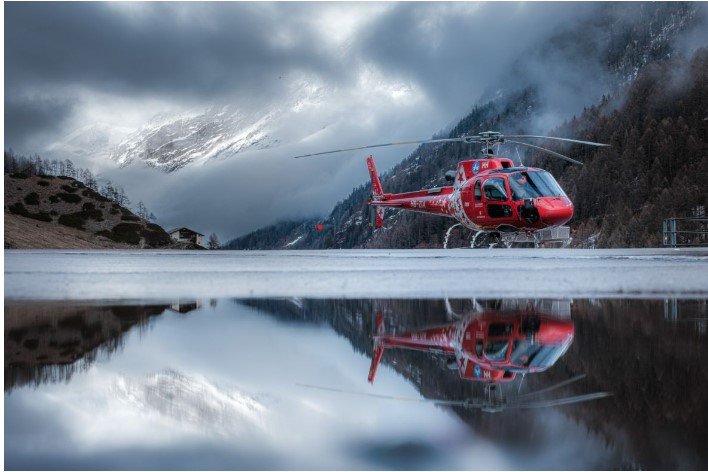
pixel 489 194
pixel 489 347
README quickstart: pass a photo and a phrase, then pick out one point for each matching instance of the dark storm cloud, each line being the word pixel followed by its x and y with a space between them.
pixel 244 52
pixel 202 50
pixel 24 115
pixel 454 51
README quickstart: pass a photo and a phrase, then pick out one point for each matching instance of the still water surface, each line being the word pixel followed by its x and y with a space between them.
pixel 218 384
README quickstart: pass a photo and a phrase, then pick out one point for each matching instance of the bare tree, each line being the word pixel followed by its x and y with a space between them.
pixel 123 199
pixel 143 211
pixel 69 168
pixel 213 242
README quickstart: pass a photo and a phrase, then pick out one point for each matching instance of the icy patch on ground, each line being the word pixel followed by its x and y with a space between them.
pixel 51 275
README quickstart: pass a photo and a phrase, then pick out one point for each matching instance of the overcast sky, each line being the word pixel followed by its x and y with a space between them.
pixel 381 72
pixel 69 64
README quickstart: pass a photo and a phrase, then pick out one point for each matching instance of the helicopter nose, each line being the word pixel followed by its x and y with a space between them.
pixel 555 331
pixel 554 211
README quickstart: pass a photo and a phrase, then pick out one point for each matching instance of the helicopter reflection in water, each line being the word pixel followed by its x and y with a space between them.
pixel 488 346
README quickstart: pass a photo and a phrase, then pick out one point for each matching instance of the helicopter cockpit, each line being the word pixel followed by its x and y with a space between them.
pixel 527 356
pixel 495 190
pixel 534 184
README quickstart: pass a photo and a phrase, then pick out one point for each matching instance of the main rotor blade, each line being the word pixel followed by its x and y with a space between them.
pixel 553 153
pixel 366 394
pixel 589 143
pixel 552 387
pixel 401 143
pixel 465 403
pixel 561 401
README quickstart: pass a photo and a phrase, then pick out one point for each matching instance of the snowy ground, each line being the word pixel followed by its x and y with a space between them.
pixel 121 275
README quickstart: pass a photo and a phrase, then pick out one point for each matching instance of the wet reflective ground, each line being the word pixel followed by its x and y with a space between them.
pixel 218 384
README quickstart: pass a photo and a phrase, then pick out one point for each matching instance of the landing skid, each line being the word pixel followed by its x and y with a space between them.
pixel 551 237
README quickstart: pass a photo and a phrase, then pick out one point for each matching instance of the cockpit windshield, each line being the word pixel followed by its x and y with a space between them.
pixel 525 354
pixel 534 184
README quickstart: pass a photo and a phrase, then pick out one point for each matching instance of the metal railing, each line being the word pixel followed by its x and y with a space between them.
pixel 680 232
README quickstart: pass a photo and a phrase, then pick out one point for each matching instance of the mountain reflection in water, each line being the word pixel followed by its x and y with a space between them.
pixel 212 384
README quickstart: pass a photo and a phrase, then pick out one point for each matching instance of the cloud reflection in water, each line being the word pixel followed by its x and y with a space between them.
pixel 216 389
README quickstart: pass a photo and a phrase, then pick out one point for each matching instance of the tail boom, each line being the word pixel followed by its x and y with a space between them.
pixel 437 201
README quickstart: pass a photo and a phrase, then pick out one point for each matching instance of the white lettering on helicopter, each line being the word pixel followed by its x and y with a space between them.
pixel 434 338
pixel 487 374
pixel 439 202
pixel 415 204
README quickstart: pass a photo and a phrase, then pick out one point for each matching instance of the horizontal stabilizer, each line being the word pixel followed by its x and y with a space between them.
pixel 386 203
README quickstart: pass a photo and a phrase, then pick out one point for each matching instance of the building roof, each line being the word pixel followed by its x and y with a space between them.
pixel 184 228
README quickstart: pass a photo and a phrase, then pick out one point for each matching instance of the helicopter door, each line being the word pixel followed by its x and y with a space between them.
pixel 496 198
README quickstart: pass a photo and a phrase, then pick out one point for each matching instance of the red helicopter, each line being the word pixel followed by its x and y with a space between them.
pixel 490 347
pixel 488 195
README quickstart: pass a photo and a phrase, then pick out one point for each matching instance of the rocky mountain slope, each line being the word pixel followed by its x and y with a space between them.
pixel 171 142
pixel 175 142
pixel 89 143
pixel 48 212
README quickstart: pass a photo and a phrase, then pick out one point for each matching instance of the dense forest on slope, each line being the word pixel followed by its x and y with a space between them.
pixel 654 117
pixel 657 166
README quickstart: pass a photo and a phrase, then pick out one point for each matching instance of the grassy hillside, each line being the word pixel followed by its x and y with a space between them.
pixel 48 212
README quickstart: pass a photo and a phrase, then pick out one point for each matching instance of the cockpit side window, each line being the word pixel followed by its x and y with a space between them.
pixel 495 190
pixel 496 350
pixel 478 191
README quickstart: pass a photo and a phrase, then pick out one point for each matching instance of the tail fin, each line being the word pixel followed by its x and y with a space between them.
pixel 378 347
pixel 377 193
pixel 376 189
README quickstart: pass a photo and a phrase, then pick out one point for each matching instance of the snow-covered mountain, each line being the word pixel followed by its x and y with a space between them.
pixel 93 142
pixel 193 401
pixel 170 142
pixel 177 141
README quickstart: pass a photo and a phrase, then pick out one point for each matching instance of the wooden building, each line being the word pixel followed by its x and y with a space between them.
pixel 186 235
